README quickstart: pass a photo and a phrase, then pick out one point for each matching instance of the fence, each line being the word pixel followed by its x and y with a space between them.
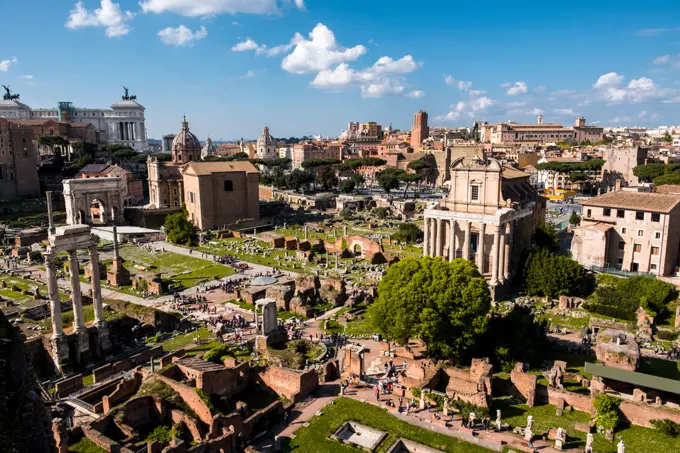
pixel 608 269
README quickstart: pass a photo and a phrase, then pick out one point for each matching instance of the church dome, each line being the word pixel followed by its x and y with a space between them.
pixel 265 139
pixel 209 149
pixel 185 147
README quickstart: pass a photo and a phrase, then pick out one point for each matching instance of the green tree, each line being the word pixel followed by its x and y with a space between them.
pixel 389 178
pixel 321 162
pixel 299 179
pixel 408 232
pixel 607 411
pixel 326 177
pixel 444 303
pixel 667 138
pixel 408 179
pixel 545 237
pixel 358 179
pixel 574 218
pixel 179 230
pixel 382 212
pixel 650 171
pixel 347 186
pixel 549 275
pixel 671 178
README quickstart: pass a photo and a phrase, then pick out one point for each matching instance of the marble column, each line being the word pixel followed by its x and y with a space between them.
pixel 508 249
pixel 426 231
pixel 440 231
pixel 53 288
pixel 496 254
pixel 452 239
pixel 466 241
pixel 501 256
pixel 96 284
pixel 480 248
pixel 433 236
pixel 76 296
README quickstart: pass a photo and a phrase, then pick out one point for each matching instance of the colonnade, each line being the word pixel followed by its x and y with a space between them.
pixel 438 229
pixel 128 130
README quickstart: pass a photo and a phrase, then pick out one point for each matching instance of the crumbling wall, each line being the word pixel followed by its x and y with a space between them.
pixel 191 398
pixel 642 414
pixel 524 383
pixel 124 389
pixel 94 431
pixel 70 385
pixel 110 369
pixel 291 384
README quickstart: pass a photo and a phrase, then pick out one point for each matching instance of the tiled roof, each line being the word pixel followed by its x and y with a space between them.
pixel 196 364
pixel 668 188
pixel 94 168
pixel 639 201
pixel 513 173
pixel 206 168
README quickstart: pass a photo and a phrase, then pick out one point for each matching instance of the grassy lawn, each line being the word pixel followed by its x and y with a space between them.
pixel 312 439
pixel 85 445
pixel 88 380
pixel 637 439
pixel 361 326
pixel 179 270
pixel 187 339
pixel 22 284
pixel 229 247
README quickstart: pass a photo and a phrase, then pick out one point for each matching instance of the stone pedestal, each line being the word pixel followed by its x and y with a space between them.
pixel 118 275
pixel 261 343
pixel 61 354
pixel 528 434
pixel 103 336
pixel 82 346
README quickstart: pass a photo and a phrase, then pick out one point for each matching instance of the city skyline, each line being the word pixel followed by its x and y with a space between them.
pixel 309 67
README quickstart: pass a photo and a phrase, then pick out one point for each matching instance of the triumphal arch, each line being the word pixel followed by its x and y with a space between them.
pixel 93 200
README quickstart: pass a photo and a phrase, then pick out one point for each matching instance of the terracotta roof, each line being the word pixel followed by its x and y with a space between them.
pixel 35 122
pixel 207 168
pixel 94 168
pixel 513 173
pixel 639 201
pixel 597 226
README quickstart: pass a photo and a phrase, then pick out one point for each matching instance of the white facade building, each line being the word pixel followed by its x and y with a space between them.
pixel 123 123
pixel 266 148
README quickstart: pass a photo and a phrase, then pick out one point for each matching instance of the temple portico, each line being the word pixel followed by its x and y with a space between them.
pixel 488 218
pixel 70 239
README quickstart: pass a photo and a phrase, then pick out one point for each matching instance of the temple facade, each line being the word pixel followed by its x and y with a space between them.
pixel 488 217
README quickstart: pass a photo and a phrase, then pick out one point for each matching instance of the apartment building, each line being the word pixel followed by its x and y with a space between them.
pixel 630 231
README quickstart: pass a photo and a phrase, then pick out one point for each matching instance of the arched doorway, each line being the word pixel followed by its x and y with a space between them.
pixel 357 250
pixel 97 212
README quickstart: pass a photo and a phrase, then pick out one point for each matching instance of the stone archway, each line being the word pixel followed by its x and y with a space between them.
pixel 357 250
pixel 81 194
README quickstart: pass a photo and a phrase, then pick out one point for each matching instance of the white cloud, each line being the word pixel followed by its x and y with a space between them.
pixel 245 46
pixel 467 109
pixel 109 16
pixel 516 104
pixel 448 79
pixel 464 86
pixel 562 92
pixel 416 94
pixel 611 89
pixel 6 64
pixel 564 111
pixel 534 111
pixel 300 4
pixel 662 59
pixel 340 77
pixel 248 75
pixel 517 88
pixel 539 89
pixel 193 8
pixel 319 52
pixel 506 85
pixel 181 36
pixel 476 93
pixel 383 87
pixel 620 120
pixel 236 24
pixel 584 103
pixel 386 65
pixel 26 77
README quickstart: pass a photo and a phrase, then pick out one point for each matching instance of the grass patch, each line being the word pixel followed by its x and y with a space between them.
pixel 181 341
pixel 659 367
pixel 362 326
pixel 88 380
pixel 85 445
pixel 637 439
pixel 312 439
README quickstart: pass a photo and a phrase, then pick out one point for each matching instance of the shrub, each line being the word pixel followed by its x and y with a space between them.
pixel 215 354
pixel 667 335
pixel 667 427
pixel 620 298
pixel 162 434
pixel 550 275
pixel 607 407
pixel 205 398
pixel 408 232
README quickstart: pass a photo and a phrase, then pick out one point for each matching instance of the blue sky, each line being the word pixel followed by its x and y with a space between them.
pixel 311 66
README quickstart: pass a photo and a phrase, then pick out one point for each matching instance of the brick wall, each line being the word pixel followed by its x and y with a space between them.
pixel 641 413
pixel 124 389
pixel 290 383
pixel 167 359
pixel 525 385
pixel 105 371
pixel 94 433
pixel 69 385
pixel 583 403
pixel 191 398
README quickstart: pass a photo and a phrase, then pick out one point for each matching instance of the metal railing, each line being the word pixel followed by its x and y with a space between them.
pixel 612 270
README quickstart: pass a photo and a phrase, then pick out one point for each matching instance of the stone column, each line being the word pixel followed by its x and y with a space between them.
pixel 426 235
pixel 439 245
pixel 508 248
pixel 496 254
pixel 77 301
pixel 480 248
pixel 501 256
pixel 466 241
pixel 433 236
pixel 100 322
pixel 53 288
pixel 452 239
pixel 50 215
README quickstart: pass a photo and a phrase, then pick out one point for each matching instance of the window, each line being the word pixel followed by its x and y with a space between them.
pixel 620 261
pixel 607 212
pixel 634 267
pixel 228 186
pixel 639 215
pixel 656 217
pixel 589 214
pixel 637 248
pixel 623 231
pixel 620 213
pixel 652 266
pixel 655 251
pixel 641 233
pixel 475 193
pixel 191 198
pixel 657 235
pixel 622 245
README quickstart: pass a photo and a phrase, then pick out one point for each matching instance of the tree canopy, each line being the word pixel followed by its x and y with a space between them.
pixel 271 163
pixel 347 186
pixel 326 178
pixel 389 178
pixel 545 237
pixel 179 230
pixel 444 303
pixel 549 275
pixel 659 174
pixel 408 232
pixel 299 179
pixel 320 162
pixel 567 167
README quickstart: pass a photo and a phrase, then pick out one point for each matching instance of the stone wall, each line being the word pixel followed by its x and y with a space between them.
pixel 226 382
pixel 191 398
pixel 525 384
pixel 167 359
pixel 70 385
pixel 105 371
pixel 289 383
pixel 124 389
pixel 642 414
pixel 160 320
pixel 583 403
pixel 94 431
